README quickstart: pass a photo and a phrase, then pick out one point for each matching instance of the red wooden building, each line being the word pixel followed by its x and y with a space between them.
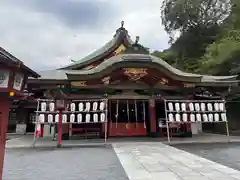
pixel 134 82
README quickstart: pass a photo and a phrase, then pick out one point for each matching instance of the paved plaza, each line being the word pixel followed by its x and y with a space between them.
pixel 125 161
pixel 223 153
pixel 63 164
pixel 157 161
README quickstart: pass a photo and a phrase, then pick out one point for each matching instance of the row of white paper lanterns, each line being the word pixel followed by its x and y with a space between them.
pixel 73 106
pixel 198 117
pixel 72 118
pixel 196 106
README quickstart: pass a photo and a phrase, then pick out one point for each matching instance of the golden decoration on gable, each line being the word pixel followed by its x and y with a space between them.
pixel 163 81
pixel 106 80
pixel 188 85
pixel 79 83
pixel 135 74
pixel 120 49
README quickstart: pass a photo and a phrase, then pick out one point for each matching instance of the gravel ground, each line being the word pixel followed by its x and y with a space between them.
pixel 63 164
pixel 223 153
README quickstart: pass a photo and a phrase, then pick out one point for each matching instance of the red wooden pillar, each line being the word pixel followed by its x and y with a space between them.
pixel 42 130
pixel 59 144
pixel 152 117
pixel 4 113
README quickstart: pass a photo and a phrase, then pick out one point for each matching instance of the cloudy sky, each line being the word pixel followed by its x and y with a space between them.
pixel 45 34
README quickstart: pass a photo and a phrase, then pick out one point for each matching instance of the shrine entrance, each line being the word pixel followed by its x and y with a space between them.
pixel 128 117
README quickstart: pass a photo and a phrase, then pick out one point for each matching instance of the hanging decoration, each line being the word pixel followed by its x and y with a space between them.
pixel 136 115
pixel 212 111
pixel 116 116
pixel 144 114
pixel 127 114
pixel 89 109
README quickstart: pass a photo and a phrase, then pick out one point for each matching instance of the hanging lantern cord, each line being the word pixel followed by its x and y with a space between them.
pixel 144 114
pixel 136 113
pixel 128 110
pixel 117 114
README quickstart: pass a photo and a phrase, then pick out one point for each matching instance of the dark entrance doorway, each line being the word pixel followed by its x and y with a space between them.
pixel 128 117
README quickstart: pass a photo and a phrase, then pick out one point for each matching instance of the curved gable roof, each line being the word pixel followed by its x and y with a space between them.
pixel 120 37
pixel 141 60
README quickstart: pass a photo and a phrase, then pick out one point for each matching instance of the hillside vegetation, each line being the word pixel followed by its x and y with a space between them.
pixel 209 35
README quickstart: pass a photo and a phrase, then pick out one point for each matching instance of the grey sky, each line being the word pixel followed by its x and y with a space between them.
pixel 46 33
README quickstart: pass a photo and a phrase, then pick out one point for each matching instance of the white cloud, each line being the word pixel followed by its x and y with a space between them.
pixel 42 41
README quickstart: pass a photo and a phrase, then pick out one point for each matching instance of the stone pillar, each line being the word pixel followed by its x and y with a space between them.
pixel 4 113
pixel 152 117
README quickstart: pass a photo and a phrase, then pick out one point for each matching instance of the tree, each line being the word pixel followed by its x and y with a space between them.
pixel 222 57
pixel 183 15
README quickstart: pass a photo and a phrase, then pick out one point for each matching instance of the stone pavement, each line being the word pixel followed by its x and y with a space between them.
pixel 157 161
pixel 26 141
pixel 63 164
pixel 223 153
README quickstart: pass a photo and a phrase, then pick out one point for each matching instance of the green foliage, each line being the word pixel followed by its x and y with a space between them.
pixel 183 15
pixel 222 56
pixel 209 40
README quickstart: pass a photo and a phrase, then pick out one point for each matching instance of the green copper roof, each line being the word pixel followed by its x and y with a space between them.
pixel 120 37
pixel 138 60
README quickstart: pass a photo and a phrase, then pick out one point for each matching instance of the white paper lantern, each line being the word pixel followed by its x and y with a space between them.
pixel 95 117
pixel 79 118
pixel 209 106
pixel 50 118
pixel 216 106
pixel 102 117
pixel 170 117
pixel 205 118
pixel 56 118
pixel 210 117
pixel 88 105
pixel 197 106
pixel 177 107
pixel 51 106
pixel 80 107
pixel 73 107
pixel 203 107
pixel 185 118
pixel 191 107
pixel 198 117
pixel 221 107
pixel 216 117
pixel 41 118
pixel 102 106
pixel 72 118
pixel 178 117
pixel 183 106
pixel 64 118
pixel 43 106
pixel 223 117
pixel 192 117
pixel 170 106
pixel 95 104
pixel 88 118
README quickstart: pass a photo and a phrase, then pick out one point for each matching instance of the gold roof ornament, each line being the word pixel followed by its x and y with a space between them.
pixel 135 74
pixel 120 49
pixel 79 83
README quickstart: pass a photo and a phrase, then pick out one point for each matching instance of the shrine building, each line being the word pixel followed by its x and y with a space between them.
pixel 134 82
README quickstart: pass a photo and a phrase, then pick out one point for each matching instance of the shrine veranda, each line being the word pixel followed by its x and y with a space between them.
pixel 177 112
